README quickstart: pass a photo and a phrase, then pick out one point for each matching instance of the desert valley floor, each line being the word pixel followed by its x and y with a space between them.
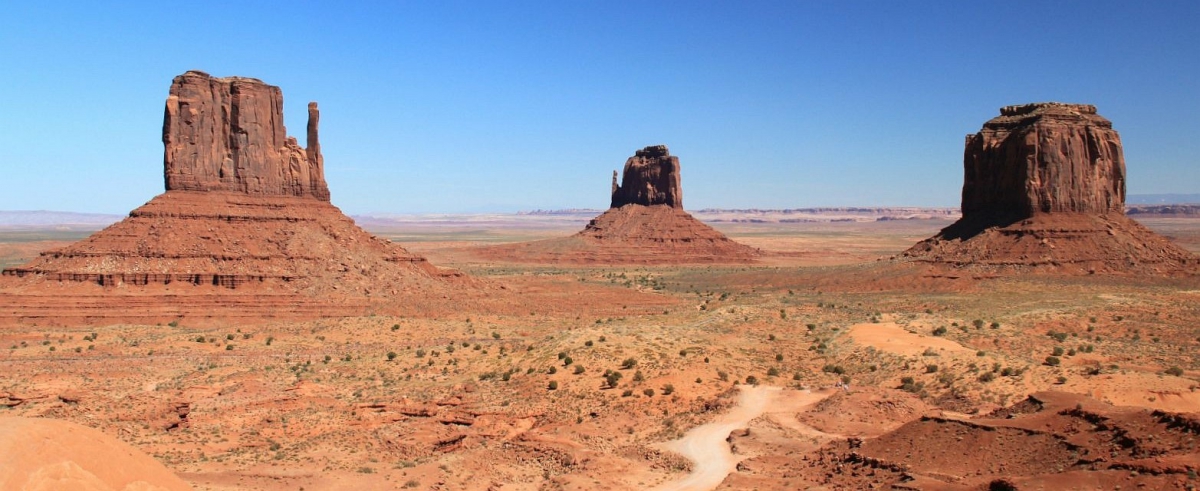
pixel 834 365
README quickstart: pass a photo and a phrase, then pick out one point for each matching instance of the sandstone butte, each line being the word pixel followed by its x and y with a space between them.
pixel 646 224
pixel 245 222
pixel 1044 190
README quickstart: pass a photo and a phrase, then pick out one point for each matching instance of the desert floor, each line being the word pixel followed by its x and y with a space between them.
pixel 823 341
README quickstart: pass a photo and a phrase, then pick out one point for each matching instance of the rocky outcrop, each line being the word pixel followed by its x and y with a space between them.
pixel 40 453
pixel 645 225
pixel 1043 158
pixel 651 177
pixel 1044 189
pixel 245 226
pixel 227 134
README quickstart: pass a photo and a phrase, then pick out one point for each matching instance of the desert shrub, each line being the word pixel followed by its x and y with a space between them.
pixel 1058 351
pixel 391 355
pixel 420 352
pixel 553 385
pixel 1053 361
pixel 752 380
pixel 723 376
pixel 228 347
pixel 940 331
pixel 627 393
pixel 495 335
pixel 1057 336
pixel 668 390
pixel 395 327
pixel 568 361
pixel 562 354
pixel 612 378
pixel 638 377
pixel 773 372
pixel 579 369
pixel 931 368
pixel 779 357
pixel 628 363
pixel 833 369
pixel 908 384
pixel 995 325
pixel 648 392
pixel 978 323
pixel 588 343
pixel 552 370
pixel 986 377
pixel 1176 371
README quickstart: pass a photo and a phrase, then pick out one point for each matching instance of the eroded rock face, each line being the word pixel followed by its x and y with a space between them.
pixel 651 177
pixel 246 209
pixel 1043 158
pixel 227 134
pixel 1044 189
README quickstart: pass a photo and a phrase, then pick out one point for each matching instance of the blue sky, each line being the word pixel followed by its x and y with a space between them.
pixel 503 106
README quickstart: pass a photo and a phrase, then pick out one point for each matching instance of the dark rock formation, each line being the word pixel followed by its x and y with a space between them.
pixel 227 134
pixel 651 177
pixel 1044 187
pixel 1043 158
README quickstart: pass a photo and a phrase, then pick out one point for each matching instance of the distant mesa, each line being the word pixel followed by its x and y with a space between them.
pixel 245 207
pixel 646 224
pixel 1044 188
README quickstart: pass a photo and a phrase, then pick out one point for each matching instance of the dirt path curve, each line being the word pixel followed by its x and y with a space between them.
pixel 706 445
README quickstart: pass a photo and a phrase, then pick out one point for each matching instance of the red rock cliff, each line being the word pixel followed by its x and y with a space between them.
pixel 651 177
pixel 1043 158
pixel 227 134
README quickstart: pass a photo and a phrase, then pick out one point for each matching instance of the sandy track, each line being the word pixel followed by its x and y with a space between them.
pixel 706 445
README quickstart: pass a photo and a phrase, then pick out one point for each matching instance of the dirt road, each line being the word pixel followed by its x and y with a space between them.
pixel 706 445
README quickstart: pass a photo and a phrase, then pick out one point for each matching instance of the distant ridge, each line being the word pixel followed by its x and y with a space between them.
pixel 46 218
pixel 1162 199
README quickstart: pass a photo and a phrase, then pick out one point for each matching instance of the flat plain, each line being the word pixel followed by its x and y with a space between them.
pixel 589 372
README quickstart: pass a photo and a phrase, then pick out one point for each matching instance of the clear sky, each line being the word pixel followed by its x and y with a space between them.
pixel 510 105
